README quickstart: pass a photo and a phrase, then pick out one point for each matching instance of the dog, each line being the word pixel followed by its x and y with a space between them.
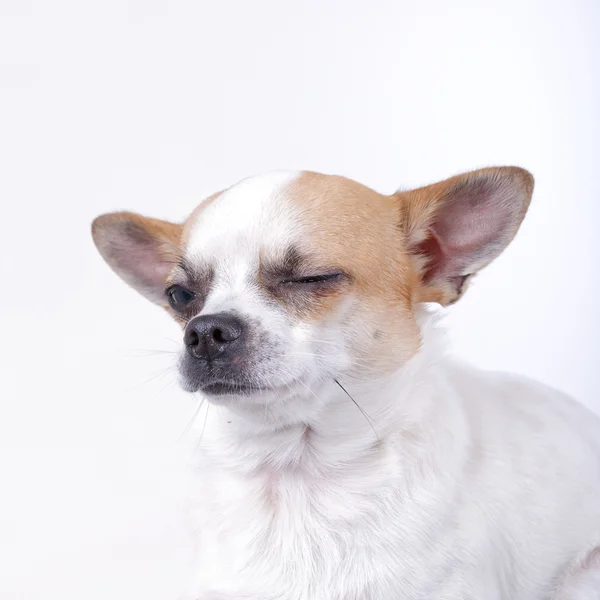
pixel 347 455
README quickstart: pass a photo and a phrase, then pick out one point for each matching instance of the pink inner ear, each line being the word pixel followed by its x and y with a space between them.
pixel 475 221
pixel 140 259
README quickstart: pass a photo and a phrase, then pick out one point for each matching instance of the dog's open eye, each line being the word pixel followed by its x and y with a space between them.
pixel 179 297
pixel 312 279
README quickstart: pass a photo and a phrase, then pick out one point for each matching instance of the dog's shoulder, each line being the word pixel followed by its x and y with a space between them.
pixel 530 434
pixel 520 399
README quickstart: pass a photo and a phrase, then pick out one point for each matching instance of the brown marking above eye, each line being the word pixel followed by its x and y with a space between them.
pixel 295 268
pixel 194 278
pixel 284 267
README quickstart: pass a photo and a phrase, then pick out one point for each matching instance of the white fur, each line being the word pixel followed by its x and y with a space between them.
pixel 481 486
pixel 457 484
pixel 250 213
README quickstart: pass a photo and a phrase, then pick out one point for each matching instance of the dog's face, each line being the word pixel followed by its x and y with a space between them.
pixel 285 282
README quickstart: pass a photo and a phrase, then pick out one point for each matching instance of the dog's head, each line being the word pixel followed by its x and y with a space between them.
pixel 286 281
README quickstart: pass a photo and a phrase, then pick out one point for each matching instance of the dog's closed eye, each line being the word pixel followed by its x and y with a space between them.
pixel 313 279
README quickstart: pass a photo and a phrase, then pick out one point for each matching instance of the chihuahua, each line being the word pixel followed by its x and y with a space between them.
pixel 347 455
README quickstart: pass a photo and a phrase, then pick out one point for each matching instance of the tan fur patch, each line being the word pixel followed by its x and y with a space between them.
pixel 353 228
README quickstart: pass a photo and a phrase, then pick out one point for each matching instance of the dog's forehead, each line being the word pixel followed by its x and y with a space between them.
pixel 256 212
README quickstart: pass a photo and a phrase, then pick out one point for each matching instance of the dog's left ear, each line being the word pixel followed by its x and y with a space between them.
pixel 456 227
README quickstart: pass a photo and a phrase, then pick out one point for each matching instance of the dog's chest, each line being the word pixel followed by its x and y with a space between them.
pixel 330 537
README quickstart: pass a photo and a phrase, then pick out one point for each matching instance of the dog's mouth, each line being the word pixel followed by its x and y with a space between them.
pixel 224 383
pixel 232 388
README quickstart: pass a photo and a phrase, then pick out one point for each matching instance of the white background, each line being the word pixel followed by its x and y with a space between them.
pixel 151 105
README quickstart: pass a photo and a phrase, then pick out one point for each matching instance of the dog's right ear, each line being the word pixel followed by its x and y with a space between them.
pixel 142 251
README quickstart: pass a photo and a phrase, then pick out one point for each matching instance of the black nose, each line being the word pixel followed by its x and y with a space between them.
pixel 209 336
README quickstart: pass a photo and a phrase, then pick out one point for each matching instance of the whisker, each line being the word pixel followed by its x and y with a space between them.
pixel 159 375
pixel 139 353
pixel 166 386
pixel 366 416
pixel 192 421
pixel 363 366
pixel 203 427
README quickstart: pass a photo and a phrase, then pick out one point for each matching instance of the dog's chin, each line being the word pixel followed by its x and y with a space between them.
pixel 255 397
pixel 295 401
pixel 227 392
